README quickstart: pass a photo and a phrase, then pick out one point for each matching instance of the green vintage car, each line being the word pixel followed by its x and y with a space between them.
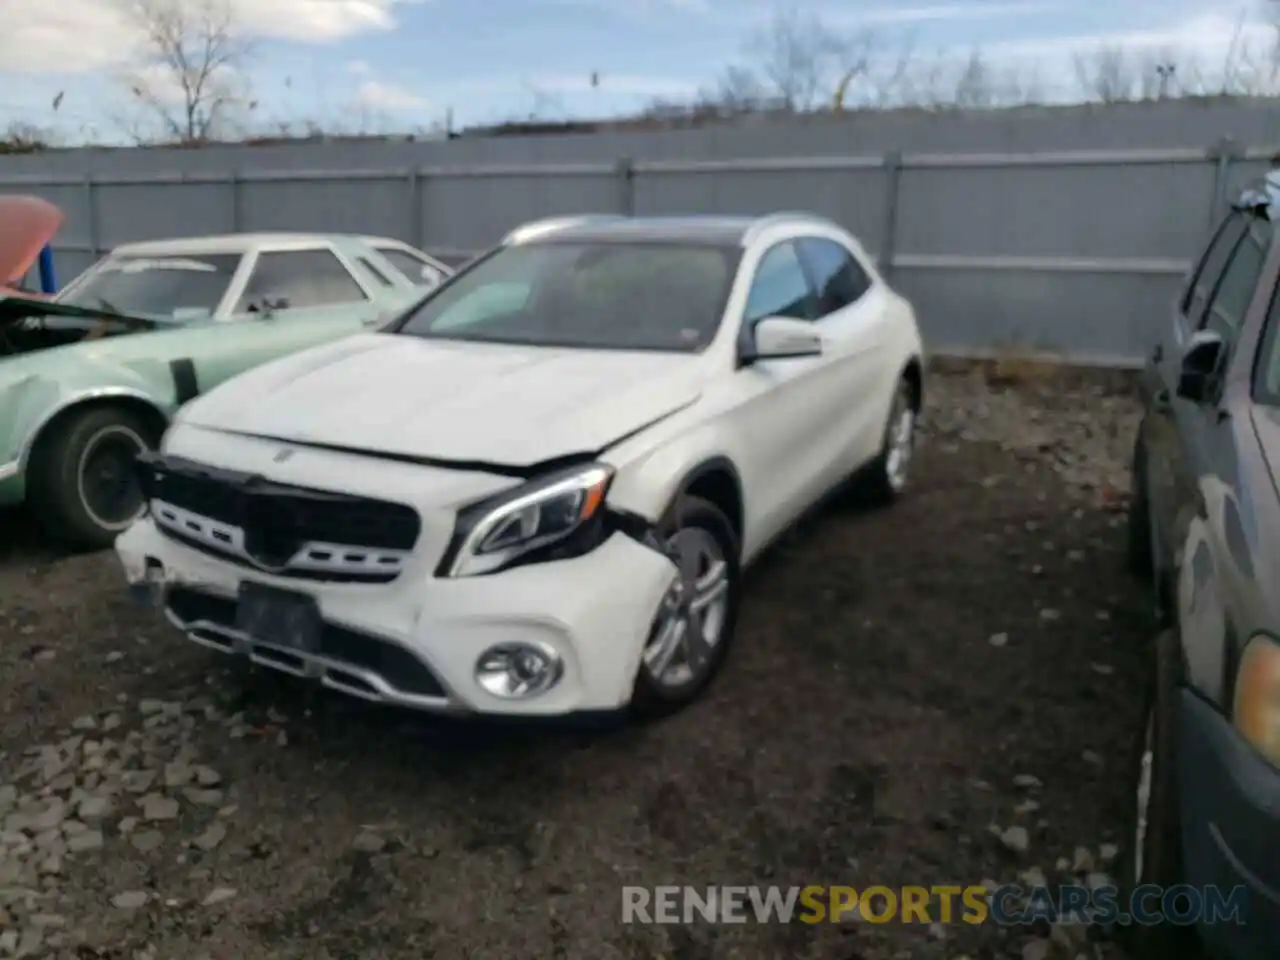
pixel 91 378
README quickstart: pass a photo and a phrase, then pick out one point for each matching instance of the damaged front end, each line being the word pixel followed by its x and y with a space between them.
pixel 30 325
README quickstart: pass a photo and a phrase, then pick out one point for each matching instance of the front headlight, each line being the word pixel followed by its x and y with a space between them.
pixel 1257 701
pixel 559 515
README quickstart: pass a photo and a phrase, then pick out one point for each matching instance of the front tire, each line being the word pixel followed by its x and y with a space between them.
pixel 82 483
pixel 1154 850
pixel 695 623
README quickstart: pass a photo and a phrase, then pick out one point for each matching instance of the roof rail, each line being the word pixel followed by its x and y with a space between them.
pixel 540 228
pixel 778 217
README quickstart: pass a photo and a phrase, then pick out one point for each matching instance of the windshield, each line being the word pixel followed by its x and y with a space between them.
pixel 182 288
pixel 605 296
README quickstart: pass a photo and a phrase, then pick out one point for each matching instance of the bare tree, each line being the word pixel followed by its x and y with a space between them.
pixel 192 80
pixel 1106 74
pixel 796 56
pixel 975 86
pixel 739 90
pixel 21 137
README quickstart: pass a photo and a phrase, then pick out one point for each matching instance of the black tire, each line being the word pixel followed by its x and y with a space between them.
pixel 1162 849
pixel 874 485
pixel 1140 559
pixel 650 700
pixel 59 463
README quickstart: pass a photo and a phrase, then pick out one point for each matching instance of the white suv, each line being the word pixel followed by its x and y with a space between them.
pixel 535 492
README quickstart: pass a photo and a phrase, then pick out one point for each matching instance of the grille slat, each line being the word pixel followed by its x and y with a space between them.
pixel 327 535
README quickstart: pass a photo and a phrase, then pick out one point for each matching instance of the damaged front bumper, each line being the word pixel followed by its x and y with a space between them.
pixel 424 642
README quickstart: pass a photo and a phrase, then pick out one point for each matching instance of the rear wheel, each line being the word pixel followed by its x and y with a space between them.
pixel 695 622
pixel 82 482
pixel 885 479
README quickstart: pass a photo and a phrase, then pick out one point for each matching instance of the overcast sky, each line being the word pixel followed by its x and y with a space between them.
pixel 409 61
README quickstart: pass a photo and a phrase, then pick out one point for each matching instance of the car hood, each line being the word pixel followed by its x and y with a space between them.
pixel 26 225
pixel 464 403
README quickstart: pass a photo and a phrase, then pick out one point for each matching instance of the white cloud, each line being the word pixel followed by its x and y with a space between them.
pixel 1206 47
pixel 377 95
pixel 626 84
pixel 937 13
pixel 37 36
pixel 360 67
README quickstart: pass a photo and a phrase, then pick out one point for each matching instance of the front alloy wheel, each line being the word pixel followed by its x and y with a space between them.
pixel 690 623
pixel 694 623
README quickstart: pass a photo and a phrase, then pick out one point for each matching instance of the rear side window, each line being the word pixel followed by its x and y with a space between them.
pixel 301 279
pixel 837 276
pixel 416 270
pixel 1210 269
pixel 1230 303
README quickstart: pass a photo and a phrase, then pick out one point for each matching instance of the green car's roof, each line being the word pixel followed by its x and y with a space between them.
pixel 16 308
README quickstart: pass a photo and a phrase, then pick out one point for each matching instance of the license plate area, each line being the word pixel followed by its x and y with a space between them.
pixel 279 617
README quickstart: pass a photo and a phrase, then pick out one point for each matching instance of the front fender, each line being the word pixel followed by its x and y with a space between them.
pixel 651 469
pixel 29 401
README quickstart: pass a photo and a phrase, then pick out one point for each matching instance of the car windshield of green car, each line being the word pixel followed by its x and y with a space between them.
pixel 172 287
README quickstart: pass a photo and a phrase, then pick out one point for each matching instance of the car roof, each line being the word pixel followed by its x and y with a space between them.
pixel 711 229
pixel 238 243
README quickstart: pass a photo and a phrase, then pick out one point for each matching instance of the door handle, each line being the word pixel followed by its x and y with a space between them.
pixel 1161 401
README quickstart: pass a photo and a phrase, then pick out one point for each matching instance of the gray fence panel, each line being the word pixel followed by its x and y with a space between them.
pixel 1064 230
pixel 375 206
pixel 140 211
pixel 1107 319
pixel 853 197
pixel 474 209
pixel 1138 210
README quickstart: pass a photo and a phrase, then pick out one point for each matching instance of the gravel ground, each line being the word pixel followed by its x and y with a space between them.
pixel 943 692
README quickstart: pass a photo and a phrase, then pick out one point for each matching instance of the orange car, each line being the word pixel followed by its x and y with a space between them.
pixel 27 224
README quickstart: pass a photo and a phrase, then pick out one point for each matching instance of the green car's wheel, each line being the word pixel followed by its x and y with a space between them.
pixel 82 482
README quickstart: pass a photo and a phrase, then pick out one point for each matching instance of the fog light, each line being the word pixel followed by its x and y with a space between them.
pixel 516 671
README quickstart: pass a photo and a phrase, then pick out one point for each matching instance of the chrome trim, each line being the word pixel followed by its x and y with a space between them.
pixel 315 666
pixel 98 393
pixel 227 538
pixel 10 470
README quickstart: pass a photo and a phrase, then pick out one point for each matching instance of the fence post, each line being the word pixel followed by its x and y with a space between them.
pixel 237 202
pixel 91 217
pixel 889 237
pixel 415 208
pixel 625 174
pixel 1222 153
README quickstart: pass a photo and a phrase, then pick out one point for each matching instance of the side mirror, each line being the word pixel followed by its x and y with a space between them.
pixel 266 305
pixel 780 338
pixel 1201 363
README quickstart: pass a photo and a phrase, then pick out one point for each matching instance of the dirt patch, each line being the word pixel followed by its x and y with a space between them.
pixel 903 682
